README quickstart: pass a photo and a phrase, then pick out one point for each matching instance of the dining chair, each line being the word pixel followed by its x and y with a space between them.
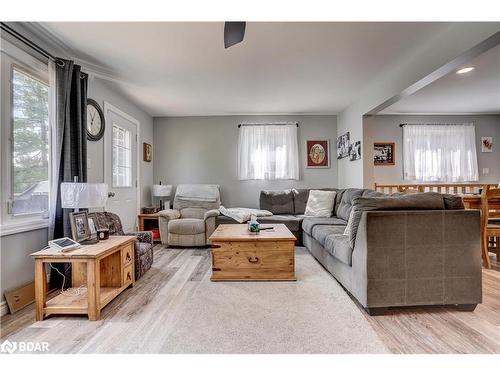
pixel 490 224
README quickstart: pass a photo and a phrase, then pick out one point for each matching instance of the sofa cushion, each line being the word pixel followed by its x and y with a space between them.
pixel 416 201
pixel 372 193
pixel 300 197
pixel 338 246
pixel 309 222
pixel 320 232
pixel 292 222
pixel 277 201
pixel 192 212
pixel 186 226
pixel 453 202
pixel 320 203
pixel 344 205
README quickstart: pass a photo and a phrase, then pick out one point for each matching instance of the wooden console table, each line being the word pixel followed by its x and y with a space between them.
pixel 105 268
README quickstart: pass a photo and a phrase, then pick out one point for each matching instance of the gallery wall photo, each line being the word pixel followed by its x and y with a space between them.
pixel 383 153
pixel 343 145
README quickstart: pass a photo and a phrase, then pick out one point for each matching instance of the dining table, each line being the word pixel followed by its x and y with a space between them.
pixel 473 202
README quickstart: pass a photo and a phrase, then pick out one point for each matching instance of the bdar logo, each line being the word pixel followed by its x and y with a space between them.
pixel 8 347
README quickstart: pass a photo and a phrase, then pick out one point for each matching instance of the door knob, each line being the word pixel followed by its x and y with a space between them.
pixel 111 194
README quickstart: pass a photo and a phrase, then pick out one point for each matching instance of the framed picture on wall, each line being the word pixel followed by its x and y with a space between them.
pixel 383 153
pixel 343 145
pixel 147 152
pixel 355 153
pixel 486 144
pixel 318 154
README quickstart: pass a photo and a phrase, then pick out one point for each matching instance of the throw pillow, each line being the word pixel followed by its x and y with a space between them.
pixel 320 203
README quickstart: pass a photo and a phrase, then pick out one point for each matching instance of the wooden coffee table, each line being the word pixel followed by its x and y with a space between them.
pixel 239 255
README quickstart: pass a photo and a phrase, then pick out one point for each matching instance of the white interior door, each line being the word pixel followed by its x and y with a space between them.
pixel 121 165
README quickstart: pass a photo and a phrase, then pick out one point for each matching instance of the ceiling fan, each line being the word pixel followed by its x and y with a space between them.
pixel 234 32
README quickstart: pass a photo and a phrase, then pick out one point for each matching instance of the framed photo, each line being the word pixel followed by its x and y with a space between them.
pixel 486 144
pixel 147 152
pixel 343 145
pixel 355 151
pixel 79 226
pixel 92 217
pixel 318 154
pixel 383 153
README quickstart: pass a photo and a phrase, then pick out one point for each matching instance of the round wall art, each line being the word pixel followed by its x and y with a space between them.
pixel 318 154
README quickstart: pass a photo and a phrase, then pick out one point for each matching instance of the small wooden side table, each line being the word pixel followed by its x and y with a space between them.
pixel 143 218
pixel 105 268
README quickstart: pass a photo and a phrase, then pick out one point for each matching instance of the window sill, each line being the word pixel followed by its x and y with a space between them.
pixel 25 226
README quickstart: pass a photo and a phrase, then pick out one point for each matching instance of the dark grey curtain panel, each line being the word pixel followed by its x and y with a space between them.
pixel 70 139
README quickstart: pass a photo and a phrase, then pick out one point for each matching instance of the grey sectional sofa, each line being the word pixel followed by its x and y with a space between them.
pixel 405 250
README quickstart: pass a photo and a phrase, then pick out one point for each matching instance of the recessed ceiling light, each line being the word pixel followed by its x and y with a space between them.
pixel 465 70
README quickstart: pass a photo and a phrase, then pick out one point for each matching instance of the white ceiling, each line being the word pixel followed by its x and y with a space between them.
pixel 475 92
pixel 179 69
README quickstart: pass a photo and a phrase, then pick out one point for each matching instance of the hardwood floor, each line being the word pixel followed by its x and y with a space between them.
pixel 415 330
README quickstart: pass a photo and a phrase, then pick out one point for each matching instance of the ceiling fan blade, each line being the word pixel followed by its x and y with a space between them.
pixel 234 32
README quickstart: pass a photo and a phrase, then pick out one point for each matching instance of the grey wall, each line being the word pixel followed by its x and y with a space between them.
pixel 16 265
pixel 204 150
pixel 101 91
pixel 385 128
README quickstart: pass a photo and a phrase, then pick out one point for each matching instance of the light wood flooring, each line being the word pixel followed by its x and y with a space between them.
pixel 415 330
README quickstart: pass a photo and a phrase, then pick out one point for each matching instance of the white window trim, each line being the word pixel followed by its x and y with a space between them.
pixel 24 226
pixel 14 56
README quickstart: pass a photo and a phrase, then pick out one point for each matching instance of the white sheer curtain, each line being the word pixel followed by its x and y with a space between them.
pixel 440 153
pixel 268 152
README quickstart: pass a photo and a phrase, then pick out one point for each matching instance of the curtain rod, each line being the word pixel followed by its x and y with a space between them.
pixel 426 123
pixel 269 123
pixel 29 43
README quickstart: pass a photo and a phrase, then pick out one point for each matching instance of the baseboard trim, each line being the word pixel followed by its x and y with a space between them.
pixel 4 309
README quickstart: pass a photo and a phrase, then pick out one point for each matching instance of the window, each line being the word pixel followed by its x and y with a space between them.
pixel 30 144
pixel 268 152
pixel 440 153
pixel 122 157
pixel 25 135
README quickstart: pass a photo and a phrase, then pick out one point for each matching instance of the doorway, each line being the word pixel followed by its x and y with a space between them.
pixel 121 167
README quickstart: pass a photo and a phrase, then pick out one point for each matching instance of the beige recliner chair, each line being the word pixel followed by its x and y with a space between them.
pixel 192 220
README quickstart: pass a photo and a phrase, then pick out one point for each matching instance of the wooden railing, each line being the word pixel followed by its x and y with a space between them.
pixel 439 188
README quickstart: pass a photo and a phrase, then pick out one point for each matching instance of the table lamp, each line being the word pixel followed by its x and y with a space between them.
pixel 162 191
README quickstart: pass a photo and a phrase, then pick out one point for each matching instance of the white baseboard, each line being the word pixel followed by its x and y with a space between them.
pixel 4 309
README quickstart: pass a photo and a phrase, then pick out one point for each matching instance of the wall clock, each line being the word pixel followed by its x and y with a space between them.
pixel 95 121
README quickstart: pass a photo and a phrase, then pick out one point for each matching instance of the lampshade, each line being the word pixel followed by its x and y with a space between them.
pixel 162 190
pixel 83 195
